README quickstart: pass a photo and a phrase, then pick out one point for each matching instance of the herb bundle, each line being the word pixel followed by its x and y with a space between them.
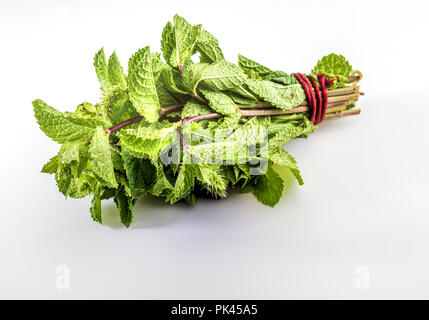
pixel 180 125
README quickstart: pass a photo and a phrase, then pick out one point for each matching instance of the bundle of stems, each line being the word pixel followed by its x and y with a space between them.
pixel 339 102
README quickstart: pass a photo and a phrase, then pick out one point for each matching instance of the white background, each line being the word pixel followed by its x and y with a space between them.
pixel 358 228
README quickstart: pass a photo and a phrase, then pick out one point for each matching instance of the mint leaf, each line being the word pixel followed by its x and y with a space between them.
pixel 178 41
pixel 208 47
pixel 64 127
pixel 101 159
pixel 115 72
pixel 124 203
pixel 334 66
pixel 213 179
pixel 220 102
pixel 101 69
pixel 141 85
pixel 184 183
pixel 220 75
pixel 284 159
pixel 193 108
pixel 51 166
pixel 283 97
pixel 95 208
pixel 251 68
pixel 268 188
pixel 141 173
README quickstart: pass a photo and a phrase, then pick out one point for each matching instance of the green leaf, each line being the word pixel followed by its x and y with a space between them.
pixel 75 155
pixel 101 69
pixel 51 166
pixel 95 208
pixel 220 75
pixel 171 80
pixel 64 127
pixel 213 178
pixel 281 77
pixel 220 102
pixel 141 85
pixel 334 66
pixel 251 68
pixel 124 204
pixel 115 72
pixel 162 186
pixel 178 41
pixel 288 131
pixel 208 47
pixel 267 188
pixel 193 108
pixel 117 105
pixel 283 97
pixel 101 158
pixel 184 183
pixel 284 159
pixel 141 173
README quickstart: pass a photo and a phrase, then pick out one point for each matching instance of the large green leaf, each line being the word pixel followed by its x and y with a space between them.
pixel 220 75
pixel 141 85
pixel 281 96
pixel 64 127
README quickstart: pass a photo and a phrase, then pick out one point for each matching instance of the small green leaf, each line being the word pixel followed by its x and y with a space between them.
pixel 267 188
pixel 101 69
pixel 95 208
pixel 101 158
pixel 284 159
pixel 193 108
pixel 141 173
pixel 124 204
pixel 334 66
pixel 220 102
pixel 51 166
pixel 115 72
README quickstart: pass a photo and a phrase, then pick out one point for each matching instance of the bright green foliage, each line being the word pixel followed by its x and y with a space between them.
pixel 220 102
pixel 336 67
pixel 125 206
pixel 95 208
pixel 141 173
pixel 115 72
pixel 252 69
pixel 192 108
pixel 101 69
pixel 178 41
pixel 141 85
pixel 101 158
pixel 184 129
pixel 281 96
pixel 208 47
pixel 220 75
pixel 267 188
pixel 64 127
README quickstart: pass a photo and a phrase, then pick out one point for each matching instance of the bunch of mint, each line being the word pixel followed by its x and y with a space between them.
pixel 182 125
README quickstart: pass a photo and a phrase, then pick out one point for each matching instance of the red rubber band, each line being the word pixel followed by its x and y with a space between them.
pixel 309 93
pixel 322 81
pixel 318 98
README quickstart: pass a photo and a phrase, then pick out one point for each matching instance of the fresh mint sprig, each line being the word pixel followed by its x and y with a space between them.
pixel 184 123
